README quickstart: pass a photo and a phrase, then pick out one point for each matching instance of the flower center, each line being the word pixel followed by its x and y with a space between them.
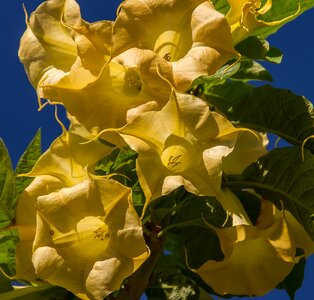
pixel 176 158
pixel 132 82
pixel 101 233
pixel 90 238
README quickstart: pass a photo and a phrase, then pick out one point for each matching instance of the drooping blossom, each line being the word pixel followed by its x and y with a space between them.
pixel 256 257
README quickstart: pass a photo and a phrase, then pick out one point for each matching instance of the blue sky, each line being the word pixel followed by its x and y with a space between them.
pixel 19 118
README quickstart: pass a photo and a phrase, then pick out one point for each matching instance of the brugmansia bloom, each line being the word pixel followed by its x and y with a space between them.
pixel 65 163
pixel 59 46
pixel 25 223
pixel 131 80
pixel 69 158
pixel 183 144
pixel 88 238
pixel 191 35
pixel 233 207
pixel 99 78
pixel 256 258
pixel 68 61
pixel 243 17
pixel 302 239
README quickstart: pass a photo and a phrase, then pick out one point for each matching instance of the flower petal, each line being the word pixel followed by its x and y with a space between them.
pixel 191 35
pixel 184 143
pixel 50 266
pixel 269 213
pixel 25 222
pixel 242 17
pixel 68 157
pixel 46 42
pixel 59 48
pixel 130 31
pixel 108 275
pixel 98 243
pixel 248 149
pixel 243 271
pixel 125 83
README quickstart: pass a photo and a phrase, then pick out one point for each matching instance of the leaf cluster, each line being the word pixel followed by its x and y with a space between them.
pixel 12 186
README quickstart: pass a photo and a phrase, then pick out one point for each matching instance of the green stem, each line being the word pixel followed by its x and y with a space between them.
pixel 287 138
pixel 181 224
pixel 172 210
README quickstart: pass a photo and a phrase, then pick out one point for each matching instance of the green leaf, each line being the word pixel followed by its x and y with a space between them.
pixel 138 197
pixel 282 9
pixel 8 241
pixel 182 292
pixel 224 72
pixel 253 47
pixel 161 210
pixel 282 175
pixel 198 209
pixel 30 156
pixel 274 55
pixel 125 160
pixel 257 48
pixel 46 292
pixel 251 203
pixel 121 163
pixel 252 70
pixel 6 186
pixel 189 214
pixel 12 186
pixel 124 164
pixel 265 109
pixel 294 280
pixel 25 165
pixel 181 209
pixel 5 284
pixel 155 292
pixel 184 220
pixel 204 83
pixel 171 278
pixel 170 283
pixel 222 6
pixel 105 165
pixel 201 245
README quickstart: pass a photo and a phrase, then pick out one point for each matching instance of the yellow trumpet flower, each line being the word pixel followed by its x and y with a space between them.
pixel 186 144
pixel 191 35
pixel 88 238
pixel 243 20
pixel 256 257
